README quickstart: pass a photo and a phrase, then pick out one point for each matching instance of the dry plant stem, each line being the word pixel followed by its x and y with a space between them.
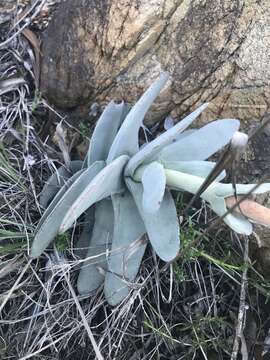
pixel 239 336
pixel 60 138
pixel 14 285
pixel 6 42
pixel 29 356
pixel 34 41
pixel 78 305
pixel 252 210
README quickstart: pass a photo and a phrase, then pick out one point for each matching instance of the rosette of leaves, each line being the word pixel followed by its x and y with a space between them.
pixel 130 188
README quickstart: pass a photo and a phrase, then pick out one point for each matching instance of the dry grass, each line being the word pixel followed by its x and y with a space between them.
pixel 188 311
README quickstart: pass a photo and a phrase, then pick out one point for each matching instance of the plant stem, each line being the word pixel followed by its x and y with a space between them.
pixel 182 181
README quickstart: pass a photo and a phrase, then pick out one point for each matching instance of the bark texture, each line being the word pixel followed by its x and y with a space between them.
pixel 215 51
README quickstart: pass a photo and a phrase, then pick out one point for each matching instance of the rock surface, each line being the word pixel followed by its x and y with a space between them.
pixel 215 51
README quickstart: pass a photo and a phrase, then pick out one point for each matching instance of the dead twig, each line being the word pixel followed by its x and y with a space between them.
pixel 239 335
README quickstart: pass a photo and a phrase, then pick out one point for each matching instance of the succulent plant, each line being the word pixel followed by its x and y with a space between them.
pixel 131 187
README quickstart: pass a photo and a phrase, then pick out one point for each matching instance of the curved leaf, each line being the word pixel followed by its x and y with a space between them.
pixel 162 226
pixel 152 149
pixel 57 180
pixel 198 168
pixel 105 131
pixel 90 277
pixel 154 183
pixel 127 248
pixel 107 182
pixel 50 225
pixel 236 222
pixel 212 195
pixel 227 190
pixel 126 140
pixel 203 143
pixel 57 198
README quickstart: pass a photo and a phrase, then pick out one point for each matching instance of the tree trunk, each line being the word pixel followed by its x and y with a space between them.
pixel 215 51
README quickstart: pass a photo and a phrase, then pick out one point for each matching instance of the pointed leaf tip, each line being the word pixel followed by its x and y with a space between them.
pixel 152 150
pixel 126 140
pixel 105 132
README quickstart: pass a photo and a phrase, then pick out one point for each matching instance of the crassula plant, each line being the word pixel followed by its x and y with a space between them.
pixel 130 187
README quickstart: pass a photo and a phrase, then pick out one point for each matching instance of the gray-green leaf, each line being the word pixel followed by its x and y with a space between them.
pixel 198 168
pixel 236 222
pixel 107 182
pixel 162 226
pixel 226 190
pixel 127 248
pixel 154 183
pixel 57 197
pixel 90 277
pixel 203 143
pixel 105 131
pixel 57 180
pixel 152 149
pixel 126 140
pixel 50 225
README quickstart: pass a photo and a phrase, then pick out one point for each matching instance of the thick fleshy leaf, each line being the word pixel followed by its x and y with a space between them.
pixel 83 242
pixel 57 180
pixel 236 222
pixel 198 168
pixel 154 183
pixel 203 143
pixel 105 131
pixel 91 277
pixel 152 149
pixel 57 198
pixel 212 195
pixel 50 226
pixel 162 226
pixel 188 132
pixel 107 182
pixel 183 181
pixel 126 140
pixel 227 190
pixel 127 248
